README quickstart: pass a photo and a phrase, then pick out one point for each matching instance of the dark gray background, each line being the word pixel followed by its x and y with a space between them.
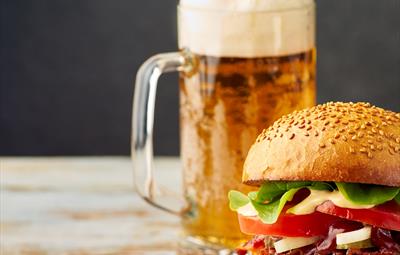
pixel 67 68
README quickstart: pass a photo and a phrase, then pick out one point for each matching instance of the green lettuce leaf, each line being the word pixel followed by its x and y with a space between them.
pixel 367 194
pixel 252 195
pixel 270 199
pixel 272 190
pixel 237 200
pixel 322 186
pixel 269 213
pixel 397 198
pixel 277 194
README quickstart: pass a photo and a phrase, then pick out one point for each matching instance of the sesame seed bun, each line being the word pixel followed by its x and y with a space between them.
pixel 341 142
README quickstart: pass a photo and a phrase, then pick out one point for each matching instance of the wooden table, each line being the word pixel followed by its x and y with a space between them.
pixel 81 205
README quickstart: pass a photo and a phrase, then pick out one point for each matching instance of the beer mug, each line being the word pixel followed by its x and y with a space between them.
pixel 243 64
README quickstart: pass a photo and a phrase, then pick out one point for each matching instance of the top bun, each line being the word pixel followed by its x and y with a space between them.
pixel 341 142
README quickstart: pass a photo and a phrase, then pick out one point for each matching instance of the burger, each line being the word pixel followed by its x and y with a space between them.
pixel 328 181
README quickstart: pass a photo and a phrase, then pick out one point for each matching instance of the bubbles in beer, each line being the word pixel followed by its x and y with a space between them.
pixel 256 62
pixel 224 106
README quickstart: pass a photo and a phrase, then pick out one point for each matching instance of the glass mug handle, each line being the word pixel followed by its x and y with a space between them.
pixel 143 120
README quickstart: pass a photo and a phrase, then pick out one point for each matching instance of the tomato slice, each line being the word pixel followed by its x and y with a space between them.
pixel 385 216
pixel 289 225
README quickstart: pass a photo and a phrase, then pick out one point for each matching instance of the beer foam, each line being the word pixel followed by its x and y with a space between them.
pixel 245 5
pixel 246 28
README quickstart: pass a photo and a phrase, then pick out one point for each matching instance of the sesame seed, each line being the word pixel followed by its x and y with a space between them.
pixel 342 121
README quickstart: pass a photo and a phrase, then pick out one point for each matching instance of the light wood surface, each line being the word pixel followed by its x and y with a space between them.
pixel 82 205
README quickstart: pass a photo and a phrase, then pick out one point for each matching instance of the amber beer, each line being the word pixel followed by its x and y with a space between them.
pixel 249 72
pixel 243 64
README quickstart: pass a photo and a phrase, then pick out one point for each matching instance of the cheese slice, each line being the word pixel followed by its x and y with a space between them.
pixel 354 236
pixel 290 243
pixel 317 197
pixel 309 204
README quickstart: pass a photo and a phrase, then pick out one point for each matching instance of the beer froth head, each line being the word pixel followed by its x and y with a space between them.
pixel 245 5
pixel 246 28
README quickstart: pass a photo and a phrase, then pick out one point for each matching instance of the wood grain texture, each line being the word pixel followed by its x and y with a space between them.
pixel 81 206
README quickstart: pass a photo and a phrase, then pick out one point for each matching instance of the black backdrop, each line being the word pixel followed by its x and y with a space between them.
pixel 67 69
